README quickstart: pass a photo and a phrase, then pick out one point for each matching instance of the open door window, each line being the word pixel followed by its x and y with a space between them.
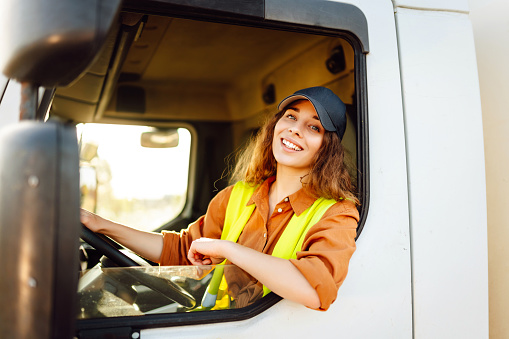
pixel 221 69
pixel 197 73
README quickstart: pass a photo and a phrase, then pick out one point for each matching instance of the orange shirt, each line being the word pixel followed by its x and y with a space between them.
pixel 326 250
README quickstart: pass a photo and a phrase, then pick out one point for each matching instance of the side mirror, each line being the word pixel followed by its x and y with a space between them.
pixel 51 43
pixel 160 138
pixel 88 152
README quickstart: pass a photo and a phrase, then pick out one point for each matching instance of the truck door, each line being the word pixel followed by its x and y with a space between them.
pixel 375 300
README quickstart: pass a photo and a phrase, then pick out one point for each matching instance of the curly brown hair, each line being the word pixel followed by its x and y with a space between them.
pixel 328 177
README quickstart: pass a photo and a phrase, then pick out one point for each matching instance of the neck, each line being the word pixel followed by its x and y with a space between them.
pixel 287 183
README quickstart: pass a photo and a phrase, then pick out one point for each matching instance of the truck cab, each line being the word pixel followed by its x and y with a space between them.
pixel 136 110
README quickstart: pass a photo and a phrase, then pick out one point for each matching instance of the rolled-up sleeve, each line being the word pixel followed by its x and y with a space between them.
pixel 327 250
pixel 176 245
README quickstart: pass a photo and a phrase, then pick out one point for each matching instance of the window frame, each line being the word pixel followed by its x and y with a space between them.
pixel 261 14
pixel 4 82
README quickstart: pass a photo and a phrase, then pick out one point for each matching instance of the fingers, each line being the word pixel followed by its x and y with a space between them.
pixel 200 262
pixel 90 220
pixel 205 251
pixel 84 216
pixel 196 258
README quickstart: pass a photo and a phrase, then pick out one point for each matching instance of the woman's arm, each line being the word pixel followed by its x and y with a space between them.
pixel 279 275
pixel 148 245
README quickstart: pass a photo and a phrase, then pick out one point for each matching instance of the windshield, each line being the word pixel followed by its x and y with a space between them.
pixel 130 291
pixel 132 175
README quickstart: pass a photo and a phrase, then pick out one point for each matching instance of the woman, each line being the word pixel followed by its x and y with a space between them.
pixel 295 164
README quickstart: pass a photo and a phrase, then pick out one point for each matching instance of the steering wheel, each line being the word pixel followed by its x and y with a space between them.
pixel 164 286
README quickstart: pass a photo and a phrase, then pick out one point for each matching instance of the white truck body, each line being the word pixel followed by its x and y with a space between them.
pixel 421 265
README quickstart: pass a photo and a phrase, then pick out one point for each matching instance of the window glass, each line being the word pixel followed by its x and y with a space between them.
pixel 142 184
pixel 11 99
pixel 218 95
pixel 130 291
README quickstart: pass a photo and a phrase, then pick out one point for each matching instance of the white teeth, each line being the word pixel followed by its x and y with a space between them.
pixel 290 145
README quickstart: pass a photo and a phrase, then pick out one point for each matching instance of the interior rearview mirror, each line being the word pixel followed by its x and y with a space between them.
pixel 88 152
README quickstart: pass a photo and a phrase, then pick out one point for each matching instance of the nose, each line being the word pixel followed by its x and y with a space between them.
pixel 294 130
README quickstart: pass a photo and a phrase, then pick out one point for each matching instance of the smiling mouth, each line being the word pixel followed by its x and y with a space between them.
pixel 291 145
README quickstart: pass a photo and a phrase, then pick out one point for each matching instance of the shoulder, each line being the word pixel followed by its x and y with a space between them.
pixel 240 188
pixel 343 208
pixel 220 200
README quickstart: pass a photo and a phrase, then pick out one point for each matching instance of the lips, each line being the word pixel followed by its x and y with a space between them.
pixel 290 145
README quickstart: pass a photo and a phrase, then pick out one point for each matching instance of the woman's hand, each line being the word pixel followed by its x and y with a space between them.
pixel 90 220
pixel 205 251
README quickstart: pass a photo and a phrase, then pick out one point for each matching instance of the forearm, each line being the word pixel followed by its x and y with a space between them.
pixel 147 244
pixel 279 275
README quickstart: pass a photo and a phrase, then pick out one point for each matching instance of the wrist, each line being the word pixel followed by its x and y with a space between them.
pixel 228 250
pixel 234 252
pixel 104 226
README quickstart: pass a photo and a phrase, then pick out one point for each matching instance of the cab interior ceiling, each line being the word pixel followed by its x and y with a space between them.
pixel 155 68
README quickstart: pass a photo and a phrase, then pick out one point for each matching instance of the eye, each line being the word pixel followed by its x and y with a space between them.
pixel 315 128
pixel 290 116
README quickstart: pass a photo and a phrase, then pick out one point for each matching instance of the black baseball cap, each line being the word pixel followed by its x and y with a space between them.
pixel 331 110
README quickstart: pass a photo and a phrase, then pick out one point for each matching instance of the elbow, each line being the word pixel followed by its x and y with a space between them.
pixel 313 300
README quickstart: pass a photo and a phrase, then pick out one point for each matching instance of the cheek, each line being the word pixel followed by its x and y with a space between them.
pixel 275 137
pixel 317 144
pixel 280 125
pixel 277 130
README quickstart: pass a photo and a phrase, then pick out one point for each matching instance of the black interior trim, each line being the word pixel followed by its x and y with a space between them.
pixel 45 104
pixel 319 13
pixel 253 8
pixel 362 138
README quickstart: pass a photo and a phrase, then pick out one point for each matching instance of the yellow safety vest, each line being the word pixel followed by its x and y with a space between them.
pixel 237 215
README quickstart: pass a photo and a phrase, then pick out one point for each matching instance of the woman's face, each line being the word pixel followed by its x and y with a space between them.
pixel 298 135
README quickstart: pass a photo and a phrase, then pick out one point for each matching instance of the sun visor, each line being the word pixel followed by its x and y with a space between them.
pixel 50 43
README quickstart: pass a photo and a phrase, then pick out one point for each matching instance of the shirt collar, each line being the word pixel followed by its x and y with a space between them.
pixel 300 200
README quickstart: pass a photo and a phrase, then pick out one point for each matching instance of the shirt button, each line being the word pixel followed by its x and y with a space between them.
pixel 265 235
pixel 286 199
pixel 280 210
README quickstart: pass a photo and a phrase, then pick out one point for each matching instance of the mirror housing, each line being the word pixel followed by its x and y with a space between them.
pixel 166 138
pixel 88 151
pixel 51 43
pixel 39 197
